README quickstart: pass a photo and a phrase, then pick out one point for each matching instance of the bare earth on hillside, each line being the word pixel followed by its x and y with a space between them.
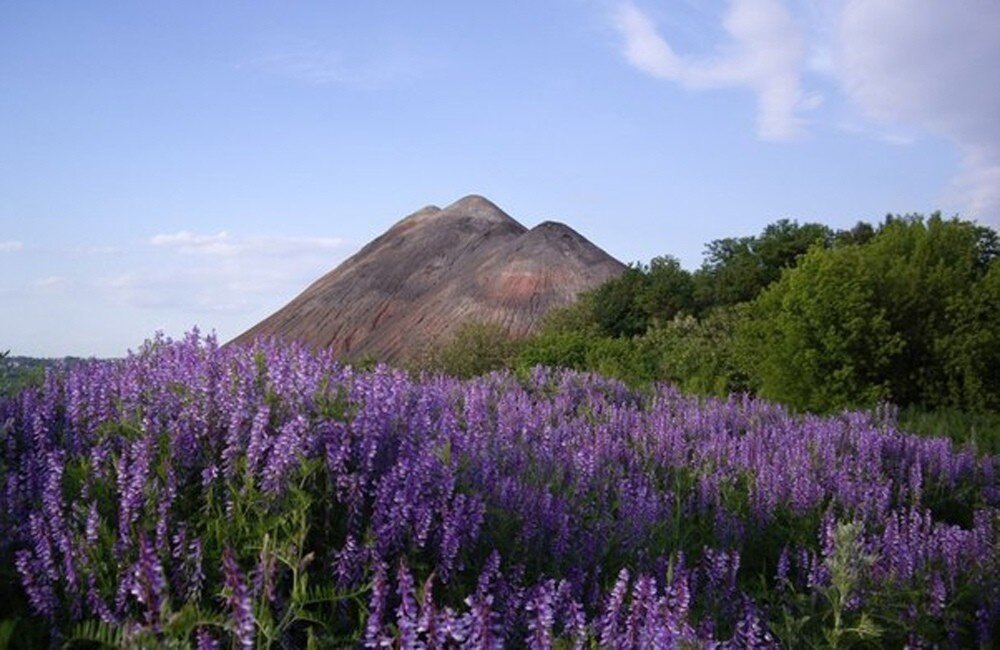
pixel 435 270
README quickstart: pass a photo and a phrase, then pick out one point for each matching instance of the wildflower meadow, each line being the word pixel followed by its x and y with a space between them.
pixel 267 496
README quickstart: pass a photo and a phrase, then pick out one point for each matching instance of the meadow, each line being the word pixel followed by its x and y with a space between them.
pixel 192 495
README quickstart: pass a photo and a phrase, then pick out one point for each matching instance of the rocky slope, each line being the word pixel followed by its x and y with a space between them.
pixel 436 269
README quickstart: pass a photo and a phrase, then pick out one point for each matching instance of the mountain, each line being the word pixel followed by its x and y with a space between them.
pixel 434 270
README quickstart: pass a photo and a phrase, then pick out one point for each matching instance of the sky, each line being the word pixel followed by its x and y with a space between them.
pixel 171 165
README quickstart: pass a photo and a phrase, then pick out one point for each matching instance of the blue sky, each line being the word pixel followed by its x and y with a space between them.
pixel 164 165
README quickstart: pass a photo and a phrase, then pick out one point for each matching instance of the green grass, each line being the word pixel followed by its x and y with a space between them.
pixel 981 430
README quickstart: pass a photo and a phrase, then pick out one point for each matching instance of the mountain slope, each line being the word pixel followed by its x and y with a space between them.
pixel 434 270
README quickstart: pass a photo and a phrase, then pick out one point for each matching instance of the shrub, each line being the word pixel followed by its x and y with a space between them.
pixel 475 349
pixel 856 324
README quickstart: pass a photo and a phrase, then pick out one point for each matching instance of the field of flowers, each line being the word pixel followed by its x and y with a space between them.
pixel 198 496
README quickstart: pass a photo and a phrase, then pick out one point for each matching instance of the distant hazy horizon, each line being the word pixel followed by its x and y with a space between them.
pixel 183 164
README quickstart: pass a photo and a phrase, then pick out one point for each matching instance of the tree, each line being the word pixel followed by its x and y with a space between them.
pixel 617 304
pixel 857 323
pixel 736 270
pixel 669 290
pixel 562 349
pixel 971 349
pixel 818 338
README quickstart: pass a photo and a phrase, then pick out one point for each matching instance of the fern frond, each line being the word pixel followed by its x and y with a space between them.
pixel 94 631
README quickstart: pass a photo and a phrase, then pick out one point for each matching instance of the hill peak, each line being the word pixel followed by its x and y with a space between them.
pixel 479 208
pixel 433 271
pixel 555 229
pixel 472 211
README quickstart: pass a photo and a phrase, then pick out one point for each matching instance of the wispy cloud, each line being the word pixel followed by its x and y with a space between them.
pixel 310 66
pixel 222 272
pixel 906 68
pixel 317 65
pixel 932 65
pixel 10 246
pixel 52 283
pixel 765 53
pixel 223 244
pixel 893 135
pixel 99 251
pixel 193 290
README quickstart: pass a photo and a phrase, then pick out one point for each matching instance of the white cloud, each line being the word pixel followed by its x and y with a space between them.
pixel 213 273
pixel 934 65
pixel 51 283
pixel 766 53
pixel 10 246
pixel 309 66
pixel 191 290
pixel 191 243
pixel 894 136
pixel 313 64
pixel 99 251
pixel 906 67
pixel 225 245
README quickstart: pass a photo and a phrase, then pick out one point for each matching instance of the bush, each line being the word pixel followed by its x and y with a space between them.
pixel 557 348
pixel 818 339
pixel 475 349
pixel 856 324
pixel 700 355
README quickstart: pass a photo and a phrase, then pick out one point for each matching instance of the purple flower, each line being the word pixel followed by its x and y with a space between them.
pixel 938 594
pixel 541 616
pixel 148 583
pixel 433 627
pixel 374 635
pixel 237 598
pixel 751 631
pixel 781 573
pixel 407 612
pixel 610 622
pixel 36 585
pixel 205 641
pixel 285 454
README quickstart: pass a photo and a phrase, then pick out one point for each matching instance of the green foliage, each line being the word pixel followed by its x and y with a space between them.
pixel 737 269
pixel 575 317
pixel 557 348
pixel 818 339
pixel 907 311
pixel 856 324
pixel 861 233
pixel 827 618
pixel 475 349
pixel 847 566
pixel 970 348
pixel 981 430
pixel 625 359
pixel 94 633
pixel 641 297
pixel 700 355
pixel 18 373
pixel 669 290
pixel 7 628
pixel 617 305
